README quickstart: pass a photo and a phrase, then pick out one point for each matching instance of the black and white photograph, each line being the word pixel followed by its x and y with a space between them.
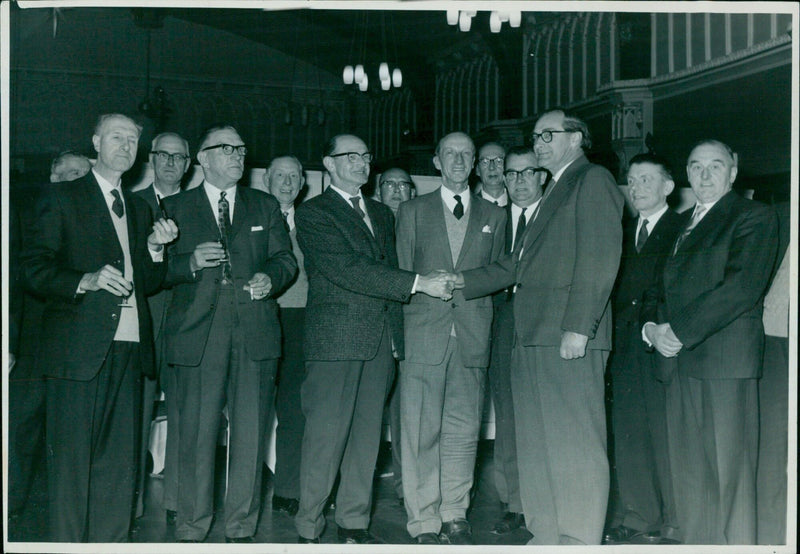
pixel 427 276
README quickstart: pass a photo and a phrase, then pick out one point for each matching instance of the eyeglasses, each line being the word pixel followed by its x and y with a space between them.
pixel 228 149
pixel 546 136
pixel 492 162
pixel 527 173
pixel 354 157
pixel 165 157
pixel 397 186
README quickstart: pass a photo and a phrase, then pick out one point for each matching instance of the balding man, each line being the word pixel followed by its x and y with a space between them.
pixel 443 377
pixel 489 169
pixel 232 258
pixel 707 328
pixel 170 160
pixel 89 254
pixel 69 166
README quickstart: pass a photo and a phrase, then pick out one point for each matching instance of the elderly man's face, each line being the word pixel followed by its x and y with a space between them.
pixel 455 157
pixel 171 170
pixel 490 168
pixel 711 172
pixel 116 143
pixel 220 169
pixel 648 188
pixel 395 188
pixel 347 174
pixel 563 146
pixel 523 181
pixel 284 180
pixel 70 168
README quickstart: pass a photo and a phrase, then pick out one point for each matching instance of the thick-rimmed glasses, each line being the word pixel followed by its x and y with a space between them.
pixel 491 162
pixel 165 157
pixel 228 149
pixel 397 186
pixel 354 157
pixel 527 173
pixel 546 136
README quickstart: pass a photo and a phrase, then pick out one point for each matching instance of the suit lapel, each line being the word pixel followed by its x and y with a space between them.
pixel 95 208
pixel 207 216
pixel 704 230
pixel 434 211
pixel 239 213
pixel 473 229
pixel 346 213
pixel 378 226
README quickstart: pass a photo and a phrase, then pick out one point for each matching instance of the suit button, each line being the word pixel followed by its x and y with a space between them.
pixel 519 285
pixel 454 305
pixel 634 301
pixel 211 307
pixel 114 316
pixel 216 281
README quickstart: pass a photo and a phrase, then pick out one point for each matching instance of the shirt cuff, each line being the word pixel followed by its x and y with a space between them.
pixel 416 280
pixel 157 256
pixel 644 337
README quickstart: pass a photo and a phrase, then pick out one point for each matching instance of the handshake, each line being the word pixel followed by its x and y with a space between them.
pixel 440 284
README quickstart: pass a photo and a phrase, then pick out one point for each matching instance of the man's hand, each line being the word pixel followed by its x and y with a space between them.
pixel 573 345
pixel 206 254
pixel 663 339
pixel 459 282
pixel 259 286
pixel 108 278
pixel 164 232
pixel 438 283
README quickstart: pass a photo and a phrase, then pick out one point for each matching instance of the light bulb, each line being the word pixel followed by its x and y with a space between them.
pixel 515 19
pixel 347 75
pixel 386 84
pixel 358 74
pixel 397 78
pixel 383 71
pixel 464 22
pixel 452 17
pixel 494 23
pixel 363 84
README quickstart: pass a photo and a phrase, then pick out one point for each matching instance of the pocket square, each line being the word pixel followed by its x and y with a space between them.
pixel 486 229
pixel 255 228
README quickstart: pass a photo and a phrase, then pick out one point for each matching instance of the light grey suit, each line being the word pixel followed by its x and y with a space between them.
pixel 442 379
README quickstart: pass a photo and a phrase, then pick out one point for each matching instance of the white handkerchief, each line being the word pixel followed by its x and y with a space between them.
pixel 255 228
pixel 486 229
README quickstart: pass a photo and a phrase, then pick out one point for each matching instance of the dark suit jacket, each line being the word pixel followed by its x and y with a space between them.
pixel 712 291
pixel 570 257
pixel 257 242
pixel 423 246
pixel 73 234
pixel 355 287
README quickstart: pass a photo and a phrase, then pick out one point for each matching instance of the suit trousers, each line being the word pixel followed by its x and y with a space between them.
pixel 773 447
pixel 440 407
pixel 394 428
pixel 92 449
pixel 342 403
pixel 169 384
pixel 506 473
pixel 226 376
pixel 289 434
pixel 150 394
pixel 713 436
pixel 26 430
pixel 640 435
pixel 561 448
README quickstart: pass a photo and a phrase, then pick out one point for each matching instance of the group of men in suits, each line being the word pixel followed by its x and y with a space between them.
pixel 454 285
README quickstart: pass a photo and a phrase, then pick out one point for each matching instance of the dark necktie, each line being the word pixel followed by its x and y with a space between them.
pixel 641 238
pixel 458 211
pixel 698 211
pixel 117 205
pixel 521 222
pixel 354 200
pixel 224 223
pixel 286 221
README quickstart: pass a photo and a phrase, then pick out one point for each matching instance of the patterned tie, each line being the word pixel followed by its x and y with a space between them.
pixel 355 201
pixel 224 224
pixel 458 211
pixel 699 210
pixel 641 238
pixel 520 228
pixel 117 206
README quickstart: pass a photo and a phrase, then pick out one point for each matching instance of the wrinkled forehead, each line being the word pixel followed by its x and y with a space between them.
pixel 456 141
pixel 119 123
pixel 286 165
pixel 491 151
pixel 551 121
pixel 395 175
pixel 520 161
pixel 223 136
pixel 710 152
pixel 171 144
pixel 350 143
pixel 644 168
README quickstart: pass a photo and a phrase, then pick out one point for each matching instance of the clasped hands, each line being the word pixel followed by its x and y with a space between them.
pixel 440 284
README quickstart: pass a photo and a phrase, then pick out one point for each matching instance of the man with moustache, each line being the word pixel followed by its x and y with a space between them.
pixel 562 274
pixel 638 417
pixel 232 258
pixel 353 324
pixel 442 379
pixel 489 169
pixel 89 255
pixel 169 158
pixel 706 324
pixel 284 180
pixel 523 180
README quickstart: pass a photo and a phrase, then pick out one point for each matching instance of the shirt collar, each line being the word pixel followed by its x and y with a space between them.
pixel 213 192
pixel 561 171
pixel 529 210
pixel 346 195
pixel 501 200
pixel 652 219
pixel 448 197
pixel 105 185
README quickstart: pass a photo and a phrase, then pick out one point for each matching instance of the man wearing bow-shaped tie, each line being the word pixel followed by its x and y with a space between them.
pixel 563 271
pixel 232 258
pixel 706 324
pixel 443 378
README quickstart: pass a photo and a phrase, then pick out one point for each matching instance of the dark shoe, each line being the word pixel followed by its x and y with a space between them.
pixel 619 534
pixel 428 538
pixel 511 521
pixel 171 516
pixel 657 537
pixel 303 540
pixel 458 531
pixel 357 536
pixel 285 505
pixel 240 540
